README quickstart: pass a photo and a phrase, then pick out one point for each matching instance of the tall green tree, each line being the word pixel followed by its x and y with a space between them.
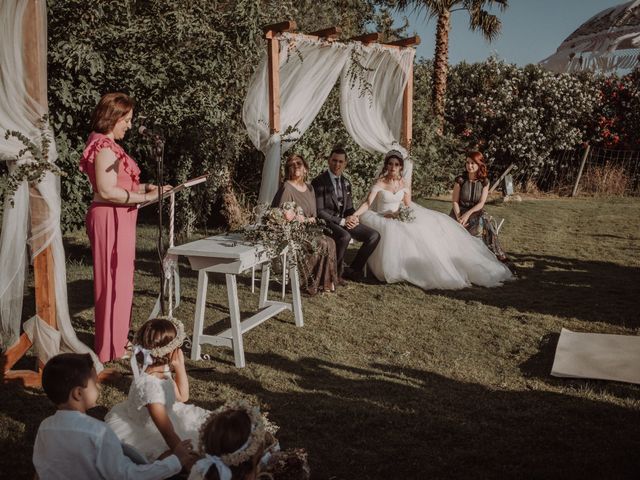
pixel 480 20
pixel 188 65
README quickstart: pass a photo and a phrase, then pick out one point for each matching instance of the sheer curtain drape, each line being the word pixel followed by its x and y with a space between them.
pixel 374 118
pixel 308 71
pixel 18 111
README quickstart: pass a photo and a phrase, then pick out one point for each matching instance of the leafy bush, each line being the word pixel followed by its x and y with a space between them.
pixel 519 115
pixel 187 64
pixel 617 122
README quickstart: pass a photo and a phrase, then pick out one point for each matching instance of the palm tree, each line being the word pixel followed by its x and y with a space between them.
pixel 479 20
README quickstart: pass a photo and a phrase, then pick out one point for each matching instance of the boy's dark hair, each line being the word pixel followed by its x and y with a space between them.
pixel 65 372
pixel 339 149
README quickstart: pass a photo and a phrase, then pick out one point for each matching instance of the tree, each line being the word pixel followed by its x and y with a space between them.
pixel 188 65
pixel 479 20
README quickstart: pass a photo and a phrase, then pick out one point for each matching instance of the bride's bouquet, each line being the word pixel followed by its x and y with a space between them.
pixel 285 227
pixel 405 214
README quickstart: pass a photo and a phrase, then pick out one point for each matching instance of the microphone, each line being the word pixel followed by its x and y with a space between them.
pixel 146 132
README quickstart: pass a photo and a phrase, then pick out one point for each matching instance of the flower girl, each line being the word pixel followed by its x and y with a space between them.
pixel 154 417
pixel 237 443
pixel 233 440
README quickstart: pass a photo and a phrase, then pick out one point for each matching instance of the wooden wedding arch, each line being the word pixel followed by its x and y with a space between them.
pixel 331 34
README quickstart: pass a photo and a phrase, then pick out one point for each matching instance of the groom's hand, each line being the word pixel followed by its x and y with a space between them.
pixel 351 221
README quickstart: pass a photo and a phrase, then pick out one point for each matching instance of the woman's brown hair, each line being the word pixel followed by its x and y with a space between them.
pixel 478 159
pixel 155 333
pixel 387 160
pixel 111 108
pixel 290 158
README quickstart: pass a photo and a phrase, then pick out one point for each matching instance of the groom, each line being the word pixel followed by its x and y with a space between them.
pixel 335 206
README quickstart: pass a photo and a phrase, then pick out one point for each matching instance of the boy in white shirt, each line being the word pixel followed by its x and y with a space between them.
pixel 71 445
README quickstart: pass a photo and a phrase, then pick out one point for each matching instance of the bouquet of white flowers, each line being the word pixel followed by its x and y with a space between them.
pixel 405 214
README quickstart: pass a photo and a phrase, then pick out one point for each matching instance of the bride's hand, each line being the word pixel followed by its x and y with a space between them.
pixel 351 222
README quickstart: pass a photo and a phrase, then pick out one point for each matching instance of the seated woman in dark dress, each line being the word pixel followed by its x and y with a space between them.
pixel 470 193
pixel 321 266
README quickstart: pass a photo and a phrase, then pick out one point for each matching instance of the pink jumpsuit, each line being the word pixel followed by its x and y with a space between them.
pixel 112 232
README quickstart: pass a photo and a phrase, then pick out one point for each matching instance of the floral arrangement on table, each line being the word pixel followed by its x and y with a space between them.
pixel 281 227
pixel 405 214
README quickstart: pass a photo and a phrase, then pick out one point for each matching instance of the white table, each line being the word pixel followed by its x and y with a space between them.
pixel 228 254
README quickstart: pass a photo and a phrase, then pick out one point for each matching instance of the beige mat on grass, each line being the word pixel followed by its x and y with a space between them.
pixel 600 356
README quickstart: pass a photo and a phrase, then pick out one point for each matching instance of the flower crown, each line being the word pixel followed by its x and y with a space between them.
pixel 177 342
pixel 260 426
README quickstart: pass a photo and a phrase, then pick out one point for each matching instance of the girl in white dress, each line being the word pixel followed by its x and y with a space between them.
pixel 433 251
pixel 154 417
pixel 236 442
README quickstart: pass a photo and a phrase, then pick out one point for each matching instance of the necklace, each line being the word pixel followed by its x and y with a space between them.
pixel 394 184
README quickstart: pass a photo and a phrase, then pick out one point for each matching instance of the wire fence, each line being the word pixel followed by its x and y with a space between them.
pixel 605 172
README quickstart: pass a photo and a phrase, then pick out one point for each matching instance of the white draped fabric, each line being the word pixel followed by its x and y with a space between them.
pixel 308 71
pixel 608 41
pixel 374 119
pixel 19 111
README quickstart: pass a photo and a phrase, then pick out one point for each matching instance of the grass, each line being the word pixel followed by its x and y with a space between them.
pixel 391 382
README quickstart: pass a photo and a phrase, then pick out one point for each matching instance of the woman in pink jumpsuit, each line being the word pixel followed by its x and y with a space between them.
pixel 111 221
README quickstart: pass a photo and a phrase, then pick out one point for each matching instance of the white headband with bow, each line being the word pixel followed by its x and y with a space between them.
pixel 202 466
pixel 147 360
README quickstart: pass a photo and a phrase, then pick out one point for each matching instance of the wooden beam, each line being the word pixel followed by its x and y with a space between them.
pixel 407 112
pixel 285 26
pixel 367 38
pixel 331 32
pixel 405 42
pixel 35 65
pixel 15 352
pixel 273 59
pixel 34 40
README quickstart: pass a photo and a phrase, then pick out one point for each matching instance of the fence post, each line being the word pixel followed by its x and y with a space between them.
pixel 504 174
pixel 584 160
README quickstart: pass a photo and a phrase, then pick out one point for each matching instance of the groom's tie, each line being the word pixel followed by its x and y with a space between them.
pixel 339 191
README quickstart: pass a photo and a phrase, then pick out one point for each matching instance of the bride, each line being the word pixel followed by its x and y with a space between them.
pixel 433 251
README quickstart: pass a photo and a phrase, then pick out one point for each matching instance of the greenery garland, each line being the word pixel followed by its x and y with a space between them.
pixel 35 159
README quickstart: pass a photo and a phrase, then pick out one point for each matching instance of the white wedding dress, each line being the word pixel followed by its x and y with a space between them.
pixel 131 422
pixel 433 252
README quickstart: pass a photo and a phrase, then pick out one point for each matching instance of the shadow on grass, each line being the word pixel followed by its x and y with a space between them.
pixel 564 287
pixel 387 421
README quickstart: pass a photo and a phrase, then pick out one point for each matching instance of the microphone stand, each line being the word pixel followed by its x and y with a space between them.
pixel 158 151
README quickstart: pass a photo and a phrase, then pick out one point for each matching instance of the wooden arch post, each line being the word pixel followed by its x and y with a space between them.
pixel 332 33
pixel 34 28
pixel 34 42
pixel 273 66
pixel 407 97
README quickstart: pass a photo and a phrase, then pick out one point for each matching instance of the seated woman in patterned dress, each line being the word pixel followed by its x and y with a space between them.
pixel 470 193
pixel 321 267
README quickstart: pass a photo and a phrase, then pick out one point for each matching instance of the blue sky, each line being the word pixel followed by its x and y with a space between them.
pixel 531 30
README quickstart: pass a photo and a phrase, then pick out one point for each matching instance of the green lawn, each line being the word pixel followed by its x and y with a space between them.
pixel 392 382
